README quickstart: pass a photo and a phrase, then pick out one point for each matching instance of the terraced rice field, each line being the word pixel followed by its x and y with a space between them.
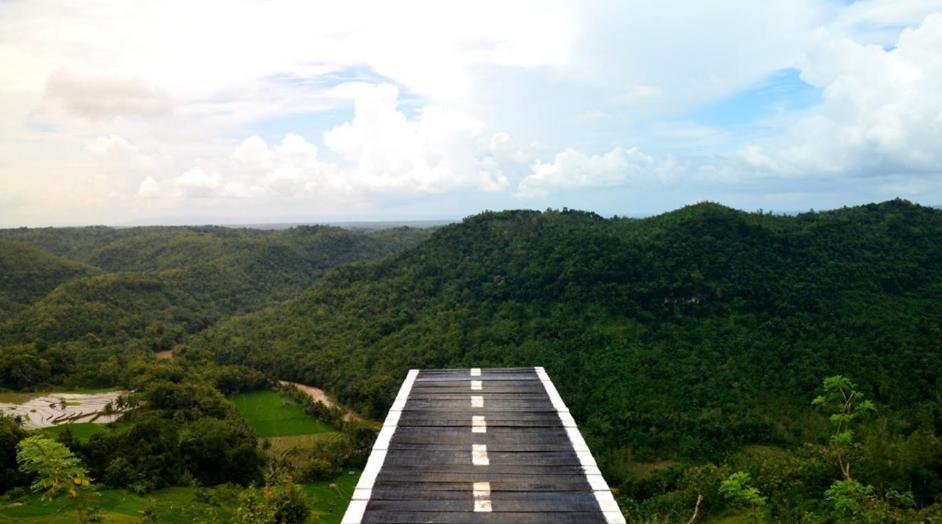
pixel 52 409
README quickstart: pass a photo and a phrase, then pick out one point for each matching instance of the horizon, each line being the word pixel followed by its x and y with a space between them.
pixel 437 222
pixel 124 115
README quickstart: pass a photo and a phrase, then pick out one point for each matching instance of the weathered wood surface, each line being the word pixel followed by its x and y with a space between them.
pixel 466 446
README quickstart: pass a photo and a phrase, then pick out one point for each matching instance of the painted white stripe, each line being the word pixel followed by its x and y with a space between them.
pixel 479 455
pixel 603 495
pixel 475 372
pixel 362 494
pixel 476 385
pixel 364 489
pixel 382 440
pixel 477 401
pixel 478 424
pixel 482 497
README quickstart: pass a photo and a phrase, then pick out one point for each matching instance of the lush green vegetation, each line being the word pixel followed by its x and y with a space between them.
pixel 178 505
pixel 92 311
pixel 689 346
pixel 27 274
pixel 185 453
pixel 272 415
pixel 142 290
pixel 689 337
pixel 330 497
pixel 171 505
pixel 81 431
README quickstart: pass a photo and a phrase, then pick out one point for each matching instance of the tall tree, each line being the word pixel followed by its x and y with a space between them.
pixel 57 472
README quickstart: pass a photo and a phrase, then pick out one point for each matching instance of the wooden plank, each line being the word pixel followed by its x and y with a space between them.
pixel 406 517
pixel 482 445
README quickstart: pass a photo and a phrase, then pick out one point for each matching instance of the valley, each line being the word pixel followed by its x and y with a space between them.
pixel 688 346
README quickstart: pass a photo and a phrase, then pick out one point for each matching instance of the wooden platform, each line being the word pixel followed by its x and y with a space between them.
pixel 468 446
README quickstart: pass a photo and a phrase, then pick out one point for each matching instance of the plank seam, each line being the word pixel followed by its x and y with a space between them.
pixel 603 495
pixel 364 488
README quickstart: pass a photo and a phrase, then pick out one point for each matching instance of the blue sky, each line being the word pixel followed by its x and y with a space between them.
pixel 246 111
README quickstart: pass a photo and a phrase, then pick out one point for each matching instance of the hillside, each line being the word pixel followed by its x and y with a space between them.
pixel 684 336
pixel 149 288
pixel 27 274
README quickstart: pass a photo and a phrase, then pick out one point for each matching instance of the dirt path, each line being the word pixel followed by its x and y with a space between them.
pixel 318 395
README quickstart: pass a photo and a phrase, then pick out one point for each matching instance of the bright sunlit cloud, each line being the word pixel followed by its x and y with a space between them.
pixel 248 111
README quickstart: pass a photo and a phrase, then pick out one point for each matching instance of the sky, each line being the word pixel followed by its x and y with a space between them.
pixel 273 111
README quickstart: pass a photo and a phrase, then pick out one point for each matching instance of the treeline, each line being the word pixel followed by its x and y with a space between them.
pixel 680 342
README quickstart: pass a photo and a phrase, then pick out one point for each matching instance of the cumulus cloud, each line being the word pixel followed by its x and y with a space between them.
pixel 441 149
pixel 572 169
pixel 380 150
pixel 880 114
pixel 149 188
pixel 198 183
pixel 254 170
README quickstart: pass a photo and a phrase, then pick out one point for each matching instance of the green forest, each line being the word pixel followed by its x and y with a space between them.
pixel 723 366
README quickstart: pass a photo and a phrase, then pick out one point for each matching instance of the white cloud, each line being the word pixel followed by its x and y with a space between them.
pixel 197 183
pixel 640 94
pixel 381 151
pixel 571 169
pixel 441 149
pixel 104 97
pixel 145 105
pixel 878 21
pixel 149 188
pixel 880 111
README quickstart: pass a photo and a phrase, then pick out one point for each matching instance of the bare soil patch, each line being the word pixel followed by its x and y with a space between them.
pixel 318 395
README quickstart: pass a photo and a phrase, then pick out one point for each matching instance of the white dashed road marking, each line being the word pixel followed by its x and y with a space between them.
pixel 476 385
pixel 482 497
pixel 477 401
pixel 475 372
pixel 478 424
pixel 479 455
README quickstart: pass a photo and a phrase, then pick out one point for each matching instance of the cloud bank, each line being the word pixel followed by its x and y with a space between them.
pixel 281 110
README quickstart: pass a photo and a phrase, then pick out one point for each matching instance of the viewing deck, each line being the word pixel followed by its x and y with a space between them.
pixel 481 446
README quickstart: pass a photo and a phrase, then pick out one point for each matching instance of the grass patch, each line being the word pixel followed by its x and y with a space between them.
pixel 272 415
pixel 331 497
pixel 172 505
pixel 301 442
pixel 16 397
pixel 176 505
pixel 80 431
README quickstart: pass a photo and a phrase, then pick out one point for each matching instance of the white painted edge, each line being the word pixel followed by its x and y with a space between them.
pixel 364 488
pixel 603 495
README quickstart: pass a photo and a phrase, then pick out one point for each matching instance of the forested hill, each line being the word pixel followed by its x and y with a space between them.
pixel 148 288
pixel 28 273
pixel 685 335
